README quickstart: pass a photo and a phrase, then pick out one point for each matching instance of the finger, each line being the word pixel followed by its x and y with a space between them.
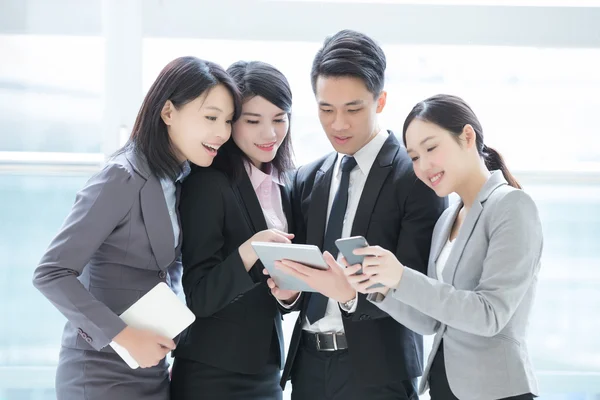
pixel 165 342
pixel 265 272
pixel 356 278
pixel 277 238
pixel 364 286
pixel 349 271
pixel 371 261
pixel 286 234
pixel 292 272
pixel 301 268
pixel 372 270
pixel 331 262
pixel 370 251
pixel 271 283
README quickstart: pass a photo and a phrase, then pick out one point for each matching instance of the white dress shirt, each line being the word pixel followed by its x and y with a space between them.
pixel 365 157
pixel 443 259
pixel 267 189
pixel 170 192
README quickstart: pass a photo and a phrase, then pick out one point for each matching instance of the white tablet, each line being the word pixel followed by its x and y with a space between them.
pixel 159 311
pixel 308 255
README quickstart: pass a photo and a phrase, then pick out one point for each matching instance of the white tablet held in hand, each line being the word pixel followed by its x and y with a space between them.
pixel 308 255
pixel 159 311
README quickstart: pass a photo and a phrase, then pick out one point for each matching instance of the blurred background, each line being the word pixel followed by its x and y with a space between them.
pixel 73 74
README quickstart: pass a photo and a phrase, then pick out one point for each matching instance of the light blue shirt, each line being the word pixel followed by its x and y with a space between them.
pixel 170 191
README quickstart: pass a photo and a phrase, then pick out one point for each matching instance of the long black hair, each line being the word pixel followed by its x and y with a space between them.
pixel 181 81
pixel 452 113
pixel 256 78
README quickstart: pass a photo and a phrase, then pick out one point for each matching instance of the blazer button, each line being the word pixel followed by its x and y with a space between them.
pixel 162 274
pixel 88 339
pixel 79 331
pixel 363 317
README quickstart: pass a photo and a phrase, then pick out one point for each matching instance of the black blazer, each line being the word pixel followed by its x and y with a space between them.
pixel 236 315
pixel 397 212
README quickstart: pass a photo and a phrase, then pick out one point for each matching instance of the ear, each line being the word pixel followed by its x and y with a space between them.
pixel 469 136
pixel 167 113
pixel 381 100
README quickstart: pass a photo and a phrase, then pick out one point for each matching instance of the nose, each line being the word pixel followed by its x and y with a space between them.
pixel 424 164
pixel 224 132
pixel 269 133
pixel 339 122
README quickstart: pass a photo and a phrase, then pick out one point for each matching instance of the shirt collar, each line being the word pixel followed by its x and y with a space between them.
pixel 257 177
pixel 365 157
pixel 185 171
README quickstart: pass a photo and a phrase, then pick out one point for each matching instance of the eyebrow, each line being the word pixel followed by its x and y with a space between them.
pixel 420 144
pixel 351 103
pixel 214 108
pixel 250 114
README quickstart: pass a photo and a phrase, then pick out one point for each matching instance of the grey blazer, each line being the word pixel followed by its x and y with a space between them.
pixel 115 245
pixel 482 307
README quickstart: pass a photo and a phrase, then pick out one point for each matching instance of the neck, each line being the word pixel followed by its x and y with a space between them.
pixel 474 182
pixel 256 163
pixel 371 137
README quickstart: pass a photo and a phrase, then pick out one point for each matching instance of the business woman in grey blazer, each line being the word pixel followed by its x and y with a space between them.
pixel 483 265
pixel 122 236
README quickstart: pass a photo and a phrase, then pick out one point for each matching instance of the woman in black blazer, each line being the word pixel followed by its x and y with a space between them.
pixel 234 349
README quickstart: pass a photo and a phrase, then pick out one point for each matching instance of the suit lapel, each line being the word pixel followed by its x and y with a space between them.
pixel 439 240
pixel 286 203
pixel 461 240
pixel 155 213
pixel 180 239
pixel 319 201
pixel 466 230
pixel 377 175
pixel 157 222
pixel 253 210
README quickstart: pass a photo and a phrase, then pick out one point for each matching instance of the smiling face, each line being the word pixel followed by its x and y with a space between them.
pixel 440 160
pixel 260 130
pixel 348 112
pixel 200 127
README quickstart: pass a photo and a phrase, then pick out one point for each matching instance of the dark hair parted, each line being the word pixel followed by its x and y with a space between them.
pixel 351 54
pixel 181 81
pixel 452 114
pixel 256 78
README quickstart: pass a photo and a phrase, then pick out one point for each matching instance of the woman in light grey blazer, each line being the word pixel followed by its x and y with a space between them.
pixel 483 266
pixel 122 236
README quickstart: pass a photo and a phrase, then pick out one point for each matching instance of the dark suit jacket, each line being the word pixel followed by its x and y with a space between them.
pixel 236 315
pixel 397 212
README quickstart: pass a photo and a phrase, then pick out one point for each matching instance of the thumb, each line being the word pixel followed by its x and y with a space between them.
pixel 279 238
pixel 330 260
pixel 166 342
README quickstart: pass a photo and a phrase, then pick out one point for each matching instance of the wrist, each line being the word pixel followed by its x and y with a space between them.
pixel 123 337
pixel 291 299
pixel 247 255
pixel 348 297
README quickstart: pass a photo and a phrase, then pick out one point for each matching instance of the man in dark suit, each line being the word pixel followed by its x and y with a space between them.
pixel 344 347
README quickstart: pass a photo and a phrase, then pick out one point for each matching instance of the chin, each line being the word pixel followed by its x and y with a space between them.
pixel 202 161
pixel 441 192
pixel 265 159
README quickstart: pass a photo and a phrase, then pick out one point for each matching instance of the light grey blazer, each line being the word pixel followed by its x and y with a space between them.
pixel 482 307
pixel 115 245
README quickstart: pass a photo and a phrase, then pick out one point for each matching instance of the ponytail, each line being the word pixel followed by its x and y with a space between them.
pixel 494 161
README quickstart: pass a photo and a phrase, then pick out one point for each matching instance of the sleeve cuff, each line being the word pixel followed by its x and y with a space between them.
pixel 291 305
pixel 353 306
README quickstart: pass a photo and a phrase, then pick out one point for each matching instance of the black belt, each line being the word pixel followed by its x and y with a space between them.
pixel 324 341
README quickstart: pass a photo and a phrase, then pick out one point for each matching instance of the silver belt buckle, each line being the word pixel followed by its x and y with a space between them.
pixel 335 345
